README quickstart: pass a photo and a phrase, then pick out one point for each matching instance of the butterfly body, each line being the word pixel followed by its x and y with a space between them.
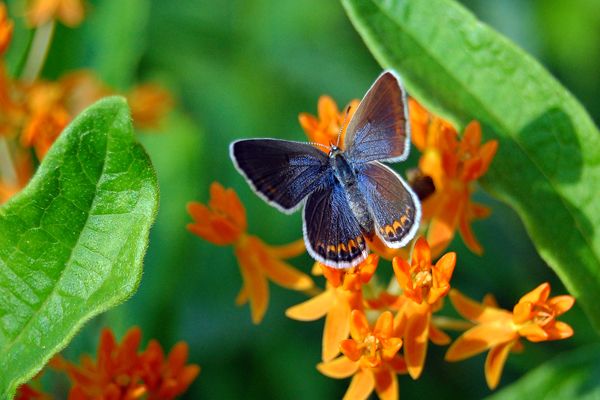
pixel 346 174
pixel 348 195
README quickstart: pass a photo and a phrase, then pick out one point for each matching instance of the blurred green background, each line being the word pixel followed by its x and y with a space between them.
pixel 246 68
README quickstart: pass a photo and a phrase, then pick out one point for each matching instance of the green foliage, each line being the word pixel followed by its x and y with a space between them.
pixel 547 166
pixel 72 242
pixel 572 375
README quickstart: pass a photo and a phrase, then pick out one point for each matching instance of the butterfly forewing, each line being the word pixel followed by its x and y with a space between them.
pixel 331 231
pixel 393 205
pixel 281 171
pixel 379 129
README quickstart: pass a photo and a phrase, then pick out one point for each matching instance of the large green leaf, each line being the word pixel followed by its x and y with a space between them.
pixel 572 375
pixel 548 163
pixel 72 242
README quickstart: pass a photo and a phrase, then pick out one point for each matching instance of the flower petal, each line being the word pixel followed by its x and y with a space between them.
pixel 361 385
pixel 350 349
pixel 533 332
pixel 494 363
pixel 255 283
pixel 539 294
pixel 464 227
pixel 475 311
pixel 479 339
pixel 289 250
pixel 341 367
pixel 336 329
pixel 421 252
pixel 487 153
pixel 402 272
pixel 416 340
pixel 446 265
pixel 561 304
pixel 313 308
pixel 227 202
pixel 284 274
pixel 559 330
pixel 386 385
pixel 359 326
pixel 384 325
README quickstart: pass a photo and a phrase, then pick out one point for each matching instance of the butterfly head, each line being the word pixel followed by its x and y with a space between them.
pixel 334 151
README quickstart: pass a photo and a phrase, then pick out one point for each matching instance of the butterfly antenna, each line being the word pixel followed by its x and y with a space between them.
pixel 337 144
pixel 319 144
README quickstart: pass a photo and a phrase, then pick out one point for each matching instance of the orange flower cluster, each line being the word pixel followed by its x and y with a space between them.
pixel 122 372
pixel 499 331
pixel 372 356
pixel 223 222
pixel 454 165
pixel 33 114
pixel 372 332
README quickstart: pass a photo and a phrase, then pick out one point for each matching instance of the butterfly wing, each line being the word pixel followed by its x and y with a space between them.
pixel 393 205
pixel 331 232
pixel 379 129
pixel 282 172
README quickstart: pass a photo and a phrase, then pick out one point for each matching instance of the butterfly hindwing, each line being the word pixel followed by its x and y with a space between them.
pixel 331 231
pixel 379 129
pixel 280 171
pixel 393 205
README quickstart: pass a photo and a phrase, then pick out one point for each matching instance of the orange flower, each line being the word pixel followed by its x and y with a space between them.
pixel 149 104
pixel 498 330
pixel 454 166
pixel 419 123
pixel 6 29
pixel 115 375
pixel 351 278
pixel 325 127
pixel 371 356
pixel 423 287
pixel 69 12
pixel 166 379
pixel 121 373
pixel 47 117
pixel 342 295
pixel 223 222
pixel 421 281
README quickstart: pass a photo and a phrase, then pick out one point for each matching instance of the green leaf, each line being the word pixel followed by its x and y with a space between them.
pixel 572 375
pixel 548 162
pixel 73 241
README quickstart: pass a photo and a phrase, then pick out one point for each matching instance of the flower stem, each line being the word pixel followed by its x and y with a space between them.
pixel 8 173
pixel 313 291
pixel 451 323
pixel 38 52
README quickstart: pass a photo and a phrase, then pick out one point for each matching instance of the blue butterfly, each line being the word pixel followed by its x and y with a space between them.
pixel 349 194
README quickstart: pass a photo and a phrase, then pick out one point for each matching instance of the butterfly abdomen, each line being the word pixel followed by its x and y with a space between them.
pixel 346 175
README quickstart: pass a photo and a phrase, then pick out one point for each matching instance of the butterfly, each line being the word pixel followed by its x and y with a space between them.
pixel 348 195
